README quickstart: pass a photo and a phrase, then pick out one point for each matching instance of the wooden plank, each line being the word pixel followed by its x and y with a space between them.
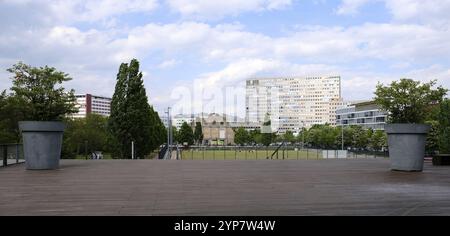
pixel 224 187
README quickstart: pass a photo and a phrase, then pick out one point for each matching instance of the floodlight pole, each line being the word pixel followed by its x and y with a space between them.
pixel 303 135
pixel 169 129
pixel 342 133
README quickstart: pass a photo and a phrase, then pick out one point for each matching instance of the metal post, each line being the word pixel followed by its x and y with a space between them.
pixel 5 154
pixel 85 149
pixel 287 152
pixel 132 150
pixel 303 134
pixel 169 131
pixel 342 132
pixel 17 153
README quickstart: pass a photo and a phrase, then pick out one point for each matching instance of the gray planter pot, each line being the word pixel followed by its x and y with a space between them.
pixel 407 146
pixel 42 142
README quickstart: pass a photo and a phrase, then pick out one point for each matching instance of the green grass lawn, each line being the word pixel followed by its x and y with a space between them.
pixel 248 154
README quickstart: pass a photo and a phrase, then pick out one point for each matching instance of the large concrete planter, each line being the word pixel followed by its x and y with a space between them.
pixel 407 146
pixel 42 141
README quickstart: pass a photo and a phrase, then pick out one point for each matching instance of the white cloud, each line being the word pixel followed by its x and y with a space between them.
pixel 350 7
pixel 404 42
pixel 57 12
pixel 168 64
pixel 433 72
pixel 92 56
pixel 207 9
pixel 434 12
pixel 97 53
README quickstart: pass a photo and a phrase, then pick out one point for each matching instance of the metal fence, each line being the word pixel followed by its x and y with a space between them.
pixel 11 154
pixel 271 153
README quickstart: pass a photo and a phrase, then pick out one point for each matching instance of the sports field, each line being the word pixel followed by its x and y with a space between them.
pixel 198 154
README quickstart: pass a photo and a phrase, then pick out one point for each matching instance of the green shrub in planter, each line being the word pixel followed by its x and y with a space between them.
pixel 408 103
pixel 46 105
pixel 444 127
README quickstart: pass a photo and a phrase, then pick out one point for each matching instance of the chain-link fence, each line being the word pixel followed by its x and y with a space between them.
pixel 11 154
pixel 271 153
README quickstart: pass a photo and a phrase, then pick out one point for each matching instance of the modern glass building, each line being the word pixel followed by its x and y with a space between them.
pixel 366 114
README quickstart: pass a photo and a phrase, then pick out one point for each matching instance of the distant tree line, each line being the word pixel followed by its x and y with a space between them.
pixel 318 136
pixel 187 135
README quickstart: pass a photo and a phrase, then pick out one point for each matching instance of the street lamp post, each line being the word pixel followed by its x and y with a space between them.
pixel 169 129
pixel 342 133
pixel 303 135
pixel 86 149
pixel 132 150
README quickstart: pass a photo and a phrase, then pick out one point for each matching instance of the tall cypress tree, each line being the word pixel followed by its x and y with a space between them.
pixel 158 132
pixel 198 133
pixel 132 118
pixel 186 134
pixel 139 116
pixel 118 113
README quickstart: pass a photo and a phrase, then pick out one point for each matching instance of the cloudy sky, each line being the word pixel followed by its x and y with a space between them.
pixel 215 43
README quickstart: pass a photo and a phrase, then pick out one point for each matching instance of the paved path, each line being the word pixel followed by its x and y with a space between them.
pixel 173 155
pixel 264 187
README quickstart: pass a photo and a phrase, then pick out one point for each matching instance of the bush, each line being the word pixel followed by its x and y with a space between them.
pixel 444 127
pixel 408 101
pixel 35 89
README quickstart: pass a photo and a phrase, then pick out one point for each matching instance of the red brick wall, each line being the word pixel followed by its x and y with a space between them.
pixel 88 104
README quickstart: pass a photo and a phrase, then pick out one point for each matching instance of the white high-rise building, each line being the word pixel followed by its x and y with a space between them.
pixel 87 103
pixel 178 120
pixel 165 120
pixel 293 102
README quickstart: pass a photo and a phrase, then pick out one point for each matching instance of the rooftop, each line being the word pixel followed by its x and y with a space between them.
pixel 263 187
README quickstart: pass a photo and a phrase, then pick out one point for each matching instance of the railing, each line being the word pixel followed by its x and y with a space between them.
pixel 280 152
pixel 11 154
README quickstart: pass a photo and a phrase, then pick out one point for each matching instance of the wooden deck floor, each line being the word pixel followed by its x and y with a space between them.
pixel 264 187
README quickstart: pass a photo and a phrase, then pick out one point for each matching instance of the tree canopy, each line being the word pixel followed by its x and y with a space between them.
pixel 35 89
pixel 408 101
pixel 198 133
pixel 12 110
pixel 186 135
pixel 241 136
pixel 444 127
pixel 132 118
pixel 85 135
